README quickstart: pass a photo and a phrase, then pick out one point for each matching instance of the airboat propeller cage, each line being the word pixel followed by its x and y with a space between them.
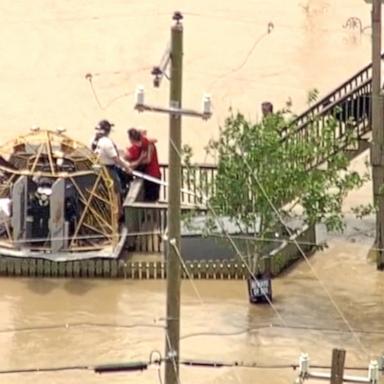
pixel 56 206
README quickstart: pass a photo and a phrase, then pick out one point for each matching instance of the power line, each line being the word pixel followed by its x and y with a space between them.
pixel 172 357
pixel 249 53
pixel 233 244
pixel 273 326
pixel 133 366
pixel 84 18
pixel 237 332
pixel 326 290
pixel 80 325
pixel 345 320
pixel 45 369
pixel 278 240
pixel 347 25
pixel 182 262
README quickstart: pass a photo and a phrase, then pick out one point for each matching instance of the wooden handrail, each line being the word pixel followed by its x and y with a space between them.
pixel 328 109
pixel 328 96
pixel 163 205
pixel 198 165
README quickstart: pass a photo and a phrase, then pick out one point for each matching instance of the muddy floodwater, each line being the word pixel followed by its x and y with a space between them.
pixel 47 49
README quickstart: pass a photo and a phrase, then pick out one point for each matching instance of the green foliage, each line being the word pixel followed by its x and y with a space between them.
pixel 258 169
pixel 313 95
pixel 363 210
pixel 268 168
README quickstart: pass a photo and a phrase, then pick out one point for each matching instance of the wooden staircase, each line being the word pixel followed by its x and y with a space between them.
pixel 350 106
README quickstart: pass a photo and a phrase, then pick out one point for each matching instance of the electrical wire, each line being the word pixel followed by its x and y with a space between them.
pixel 172 357
pixel 272 326
pixel 326 290
pixel 79 325
pixel 133 366
pixel 300 250
pixel 247 56
pixel 233 244
pixel 214 235
pixel 252 274
pixel 45 369
pixel 110 102
pixel 69 326
pixel 162 233
pixel 205 198
pixel 189 275
pixel 240 364
pixel 89 237
pixel 212 16
pixel 158 361
pixel 85 18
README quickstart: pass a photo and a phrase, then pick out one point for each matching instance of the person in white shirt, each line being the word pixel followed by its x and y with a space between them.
pixel 108 155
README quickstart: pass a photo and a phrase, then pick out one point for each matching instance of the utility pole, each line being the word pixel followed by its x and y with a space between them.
pixel 377 152
pixel 174 56
pixel 174 213
pixel 337 368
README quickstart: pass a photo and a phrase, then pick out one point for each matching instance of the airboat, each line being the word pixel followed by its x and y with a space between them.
pixel 56 201
pixel 59 216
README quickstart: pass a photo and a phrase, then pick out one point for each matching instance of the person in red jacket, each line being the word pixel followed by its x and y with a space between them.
pixel 142 155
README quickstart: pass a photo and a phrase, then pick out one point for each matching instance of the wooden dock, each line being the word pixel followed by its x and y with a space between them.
pixel 147 266
pixel 143 255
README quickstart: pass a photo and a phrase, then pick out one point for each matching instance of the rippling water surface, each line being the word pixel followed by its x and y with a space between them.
pixel 48 47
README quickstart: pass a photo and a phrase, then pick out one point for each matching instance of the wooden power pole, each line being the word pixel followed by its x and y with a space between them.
pixel 174 212
pixel 175 57
pixel 337 368
pixel 377 153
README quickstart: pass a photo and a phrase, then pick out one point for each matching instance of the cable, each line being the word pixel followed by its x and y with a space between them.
pixel 332 300
pixel 182 262
pixel 237 250
pixel 89 237
pixel 158 362
pixel 134 366
pixel 252 274
pixel 240 364
pixel 235 364
pixel 45 370
pixel 217 235
pixel 279 326
pixel 253 21
pixel 172 357
pixel 187 336
pixel 79 325
pixel 249 53
pixel 88 76
pixel 233 244
pixel 249 20
pixel 87 18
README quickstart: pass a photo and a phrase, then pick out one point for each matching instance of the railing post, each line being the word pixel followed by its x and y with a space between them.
pixel 337 369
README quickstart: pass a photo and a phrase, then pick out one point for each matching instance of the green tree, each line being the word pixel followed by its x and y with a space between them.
pixel 266 165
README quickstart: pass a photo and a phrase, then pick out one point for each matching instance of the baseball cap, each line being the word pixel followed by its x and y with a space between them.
pixel 104 125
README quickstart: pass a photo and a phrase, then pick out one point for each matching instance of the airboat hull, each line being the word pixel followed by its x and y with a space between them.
pixel 108 252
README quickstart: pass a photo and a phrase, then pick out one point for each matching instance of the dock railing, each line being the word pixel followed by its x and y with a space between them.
pixel 197 179
pixel 147 221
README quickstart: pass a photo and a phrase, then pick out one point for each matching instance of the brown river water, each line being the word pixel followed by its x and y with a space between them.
pixel 48 47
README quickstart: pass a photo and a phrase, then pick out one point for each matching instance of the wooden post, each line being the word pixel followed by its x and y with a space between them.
pixel 338 363
pixel 174 212
pixel 377 152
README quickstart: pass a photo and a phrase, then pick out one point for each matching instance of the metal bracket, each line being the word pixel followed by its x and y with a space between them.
pixel 173 111
pixel 304 372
